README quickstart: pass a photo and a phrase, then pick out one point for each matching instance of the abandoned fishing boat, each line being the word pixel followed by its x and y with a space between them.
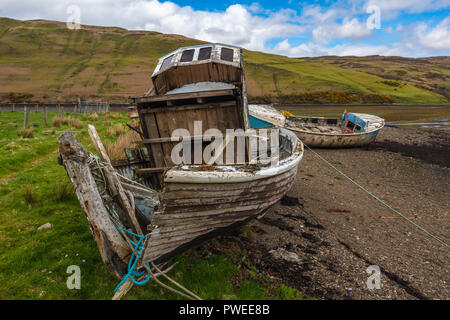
pixel 173 191
pixel 351 130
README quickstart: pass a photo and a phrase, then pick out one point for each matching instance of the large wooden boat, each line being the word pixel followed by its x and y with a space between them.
pixel 177 205
pixel 351 130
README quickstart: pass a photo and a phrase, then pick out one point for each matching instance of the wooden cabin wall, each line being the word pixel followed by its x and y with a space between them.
pixel 179 76
pixel 160 122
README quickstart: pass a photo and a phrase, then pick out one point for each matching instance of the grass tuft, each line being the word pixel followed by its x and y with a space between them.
pixel 29 196
pixel 76 123
pixel 116 131
pixel 64 192
pixel 56 122
pixel 115 150
pixel 112 115
pixel 25 133
pixel 93 117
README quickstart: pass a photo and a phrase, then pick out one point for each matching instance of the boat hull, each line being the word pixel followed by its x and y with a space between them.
pixel 194 210
pixel 320 140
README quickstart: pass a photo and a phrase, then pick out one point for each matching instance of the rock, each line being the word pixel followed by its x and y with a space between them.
pixel 283 254
pixel 45 226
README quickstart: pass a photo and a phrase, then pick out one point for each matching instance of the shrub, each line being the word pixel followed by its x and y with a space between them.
pixel 323 97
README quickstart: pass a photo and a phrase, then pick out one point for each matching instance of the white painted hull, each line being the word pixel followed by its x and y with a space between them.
pixel 321 140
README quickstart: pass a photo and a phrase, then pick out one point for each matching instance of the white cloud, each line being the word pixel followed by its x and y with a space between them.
pixel 413 6
pixel 352 29
pixel 326 28
pixel 236 25
pixel 391 8
pixel 311 49
pixel 253 27
pixel 437 38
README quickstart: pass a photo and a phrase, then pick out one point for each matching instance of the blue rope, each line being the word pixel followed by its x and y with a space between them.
pixel 138 247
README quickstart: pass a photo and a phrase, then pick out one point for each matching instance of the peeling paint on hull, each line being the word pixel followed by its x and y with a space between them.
pixel 194 210
pixel 318 140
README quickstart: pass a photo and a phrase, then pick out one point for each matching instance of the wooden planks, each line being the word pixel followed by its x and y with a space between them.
pixel 182 75
pixel 181 96
pixel 113 248
pixel 185 219
pixel 160 122
pixel 201 105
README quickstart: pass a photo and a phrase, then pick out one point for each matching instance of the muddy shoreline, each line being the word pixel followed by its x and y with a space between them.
pixel 322 237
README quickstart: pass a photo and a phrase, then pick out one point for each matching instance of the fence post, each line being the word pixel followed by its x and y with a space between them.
pixel 14 107
pixel 59 110
pixel 37 107
pixel 45 116
pixel 25 117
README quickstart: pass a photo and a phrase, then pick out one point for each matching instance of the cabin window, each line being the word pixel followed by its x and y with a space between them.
pixel 315 120
pixel 350 125
pixel 358 128
pixel 187 55
pixel 227 54
pixel 166 63
pixel 204 53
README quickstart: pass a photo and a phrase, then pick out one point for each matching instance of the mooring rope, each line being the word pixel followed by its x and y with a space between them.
pixel 136 249
pixel 379 200
pixel 135 256
pixel 188 295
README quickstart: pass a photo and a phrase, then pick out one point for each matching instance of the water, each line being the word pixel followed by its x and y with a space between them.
pixel 438 123
pixel 435 117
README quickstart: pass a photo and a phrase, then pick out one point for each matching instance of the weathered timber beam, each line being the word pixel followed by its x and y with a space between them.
pixel 114 182
pixel 151 170
pixel 175 139
pixel 113 248
pixel 181 96
pixel 170 107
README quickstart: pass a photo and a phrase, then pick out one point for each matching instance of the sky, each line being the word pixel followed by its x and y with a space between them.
pixel 410 28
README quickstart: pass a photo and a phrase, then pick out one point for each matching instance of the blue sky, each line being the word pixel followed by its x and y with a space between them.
pixel 413 28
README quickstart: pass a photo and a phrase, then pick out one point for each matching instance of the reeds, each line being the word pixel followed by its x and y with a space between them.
pixel 25 133
pixel 73 122
pixel 116 150
pixel 93 117
pixel 29 196
pixel 64 192
pixel 118 130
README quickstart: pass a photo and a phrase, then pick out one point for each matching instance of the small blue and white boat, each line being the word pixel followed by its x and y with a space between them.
pixel 350 130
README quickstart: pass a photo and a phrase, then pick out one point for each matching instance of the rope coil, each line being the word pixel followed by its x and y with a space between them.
pixel 135 256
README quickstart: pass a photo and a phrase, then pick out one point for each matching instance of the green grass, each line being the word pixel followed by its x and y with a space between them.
pixel 33 263
pixel 46 59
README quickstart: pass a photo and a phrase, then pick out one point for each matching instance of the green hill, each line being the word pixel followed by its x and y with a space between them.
pixel 45 61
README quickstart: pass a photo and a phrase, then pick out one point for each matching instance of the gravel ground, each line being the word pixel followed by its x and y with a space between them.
pixel 322 237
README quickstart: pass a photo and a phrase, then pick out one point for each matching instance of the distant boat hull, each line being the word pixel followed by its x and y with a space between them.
pixel 320 132
pixel 321 140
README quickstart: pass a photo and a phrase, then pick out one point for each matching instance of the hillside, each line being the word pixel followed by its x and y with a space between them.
pixel 45 61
